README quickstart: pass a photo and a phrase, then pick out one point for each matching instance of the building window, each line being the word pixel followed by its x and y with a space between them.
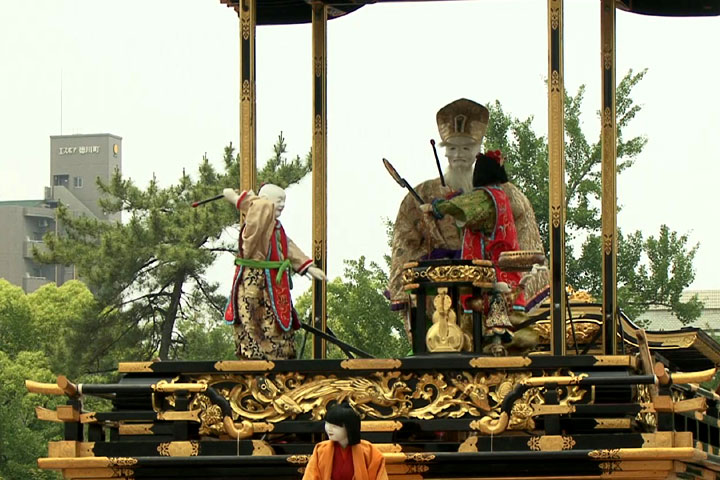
pixel 61 180
pixel 78 182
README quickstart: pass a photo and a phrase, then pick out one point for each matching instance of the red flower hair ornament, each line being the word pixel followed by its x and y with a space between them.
pixel 496 155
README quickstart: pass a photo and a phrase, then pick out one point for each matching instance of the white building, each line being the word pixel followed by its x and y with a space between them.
pixel 661 318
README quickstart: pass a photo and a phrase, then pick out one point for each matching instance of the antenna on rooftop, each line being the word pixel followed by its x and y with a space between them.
pixel 61 102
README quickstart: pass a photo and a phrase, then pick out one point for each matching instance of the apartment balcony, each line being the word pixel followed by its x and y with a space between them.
pixel 29 244
pixel 30 284
pixel 40 212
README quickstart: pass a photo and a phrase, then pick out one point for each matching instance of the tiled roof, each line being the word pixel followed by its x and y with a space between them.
pixel 711 299
pixel 661 318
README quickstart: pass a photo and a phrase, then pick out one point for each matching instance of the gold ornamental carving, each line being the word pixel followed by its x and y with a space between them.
pixel 500 362
pixel 555 17
pixel 245 20
pixel 261 448
pixel 411 469
pixel 469 445
pixel 318 125
pixel 580 296
pixel 607 56
pixel 371 364
pixel 381 426
pixel 380 396
pixel 245 91
pixel 479 274
pixel 607 118
pixel 172 416
pixel 419 457
pixel 263 427
pixel 298 459
pixel 444 335
pixel 682 341
pixel 123 461
pixel 244 365
pixel 555 216
pixel 179 449
pixel 389 447
pixel 318 251
pixel 287 395
pixel 584 331
pixel 607 243
pixel 135 429
pixel 90 417
pixel 555 81
pixel 317 64
pixel 211 417
pixel 610 467
pixel 605 454
pixel 646 416
pixel 132 367
pixel 613 423
pixel 126 473
pixel 551 443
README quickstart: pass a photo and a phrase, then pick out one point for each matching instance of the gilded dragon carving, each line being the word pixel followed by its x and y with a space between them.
pixel 381 395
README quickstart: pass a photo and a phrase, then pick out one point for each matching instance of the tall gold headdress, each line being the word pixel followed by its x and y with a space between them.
pixel 462 117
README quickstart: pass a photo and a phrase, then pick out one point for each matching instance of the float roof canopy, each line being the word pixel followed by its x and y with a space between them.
pixel 281 12
pixel 671 8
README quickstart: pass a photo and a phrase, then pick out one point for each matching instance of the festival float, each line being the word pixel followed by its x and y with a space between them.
pixel 587 395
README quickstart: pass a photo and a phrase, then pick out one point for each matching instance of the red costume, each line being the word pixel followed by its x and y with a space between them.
pixel 260 306
pixel 503 239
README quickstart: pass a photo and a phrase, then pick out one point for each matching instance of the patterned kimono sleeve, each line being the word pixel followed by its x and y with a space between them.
pixel 300 261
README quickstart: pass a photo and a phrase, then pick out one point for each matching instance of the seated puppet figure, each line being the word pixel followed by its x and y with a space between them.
pixel 344 456
pixel 489 230
pixel 260 307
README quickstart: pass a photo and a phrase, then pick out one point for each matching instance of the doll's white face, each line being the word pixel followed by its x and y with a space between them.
pixel 276 195
pixel 337 433
pixel 461 152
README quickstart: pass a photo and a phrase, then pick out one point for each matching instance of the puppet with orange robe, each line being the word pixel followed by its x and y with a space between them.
pixel 345 456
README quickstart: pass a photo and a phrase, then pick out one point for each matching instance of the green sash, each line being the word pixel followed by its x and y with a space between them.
pixel 265 264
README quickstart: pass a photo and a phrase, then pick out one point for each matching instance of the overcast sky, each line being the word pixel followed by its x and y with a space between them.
pixel 164 76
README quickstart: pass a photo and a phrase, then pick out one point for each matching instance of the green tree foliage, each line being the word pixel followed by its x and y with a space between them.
pixel 23 438
pixel 527 157
pixel 57 313
pixel 148 272
pixel 205 338
pixel 651 272
pixel 45 321
pixel 18 331
pixel 282 172
pixel 359 313
pixel 37 338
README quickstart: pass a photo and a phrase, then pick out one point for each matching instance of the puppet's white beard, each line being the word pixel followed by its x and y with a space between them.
pixel 459 177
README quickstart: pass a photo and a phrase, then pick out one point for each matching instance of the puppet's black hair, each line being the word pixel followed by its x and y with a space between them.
pixel 344 416
pixel 488 171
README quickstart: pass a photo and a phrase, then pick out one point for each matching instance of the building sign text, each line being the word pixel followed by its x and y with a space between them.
pixel 81 150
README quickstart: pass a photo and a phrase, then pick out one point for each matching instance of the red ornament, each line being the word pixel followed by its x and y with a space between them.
pixel 495 155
